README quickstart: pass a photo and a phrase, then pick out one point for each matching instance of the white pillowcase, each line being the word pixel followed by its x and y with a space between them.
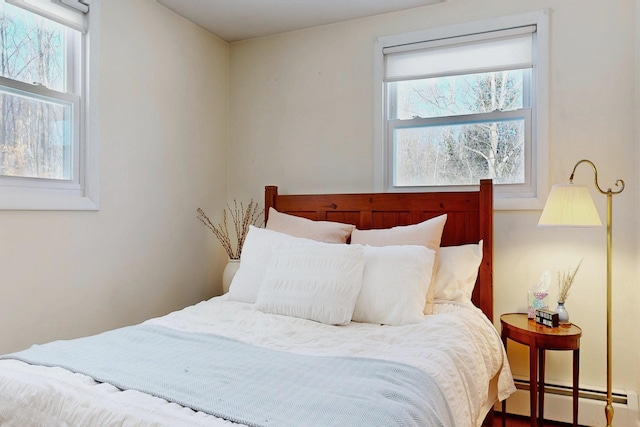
pixel 313 280
pixel 254 259
pixel 457 272
pixel 426 233
pixel 396 279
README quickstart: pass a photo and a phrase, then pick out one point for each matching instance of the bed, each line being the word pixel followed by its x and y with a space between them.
pixel 369 331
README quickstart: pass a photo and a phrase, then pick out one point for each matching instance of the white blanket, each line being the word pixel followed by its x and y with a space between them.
pixel 457 346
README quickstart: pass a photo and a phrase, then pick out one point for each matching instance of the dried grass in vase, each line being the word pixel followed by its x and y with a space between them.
pixel 565 281
pixel 241 217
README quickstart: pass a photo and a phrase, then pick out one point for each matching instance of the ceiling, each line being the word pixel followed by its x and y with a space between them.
pixel 235 20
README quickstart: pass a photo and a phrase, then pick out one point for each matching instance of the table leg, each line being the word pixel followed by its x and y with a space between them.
pixel 504 402
pixel 576 370
pixel 533 380
pixel 541 364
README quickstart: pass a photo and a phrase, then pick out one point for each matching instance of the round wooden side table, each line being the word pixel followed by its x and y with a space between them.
pixel 519 328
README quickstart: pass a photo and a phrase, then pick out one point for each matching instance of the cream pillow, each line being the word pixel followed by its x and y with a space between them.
pixel 427 233
pixel 322 231
pixel 254 259
pixel 457 272
pixel 394 289
pixel 313 280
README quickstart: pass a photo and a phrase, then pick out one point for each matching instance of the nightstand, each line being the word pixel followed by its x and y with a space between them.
pixel 519 328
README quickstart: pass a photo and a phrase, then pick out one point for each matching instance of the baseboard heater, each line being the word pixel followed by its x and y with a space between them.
pixel 591 403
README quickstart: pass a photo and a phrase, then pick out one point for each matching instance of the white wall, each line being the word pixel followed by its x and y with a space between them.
pixel 301 118
pixel 164 127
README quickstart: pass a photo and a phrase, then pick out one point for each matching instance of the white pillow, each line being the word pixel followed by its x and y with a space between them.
pixel 322 231
pixel 396 279
pixel 313 280
pixel 457 272
pixel 254 259
pixel 427 233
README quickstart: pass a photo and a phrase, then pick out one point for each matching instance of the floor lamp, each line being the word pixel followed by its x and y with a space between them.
pixel 571 205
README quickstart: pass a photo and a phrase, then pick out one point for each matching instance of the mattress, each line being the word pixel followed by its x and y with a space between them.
pixel 457 346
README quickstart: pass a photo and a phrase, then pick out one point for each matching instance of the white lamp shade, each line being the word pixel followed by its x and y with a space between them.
pixel 570 205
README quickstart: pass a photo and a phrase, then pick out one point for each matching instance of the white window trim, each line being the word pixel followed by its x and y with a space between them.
pixel 40 194
pixel 504 200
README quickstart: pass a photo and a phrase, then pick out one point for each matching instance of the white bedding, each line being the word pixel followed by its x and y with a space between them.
pixel 456 345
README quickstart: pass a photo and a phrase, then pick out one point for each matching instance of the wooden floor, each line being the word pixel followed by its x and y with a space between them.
pixel 515 421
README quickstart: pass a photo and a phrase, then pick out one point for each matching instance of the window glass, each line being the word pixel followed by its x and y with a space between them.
pixel 35 137
pixel 37 125
pixel 471 137
pixel 33 48
pixel 457 95
pixel 444 155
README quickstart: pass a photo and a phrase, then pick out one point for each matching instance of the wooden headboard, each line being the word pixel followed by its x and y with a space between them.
pixel 469 219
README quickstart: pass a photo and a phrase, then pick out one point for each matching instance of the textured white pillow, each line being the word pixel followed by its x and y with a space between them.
pixel 322 231
pixel 457 272
pixel 315 281
pixel 254 259
pixel 396 279
pixel 427 233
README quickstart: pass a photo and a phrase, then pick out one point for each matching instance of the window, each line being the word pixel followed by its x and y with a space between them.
pixel 47 149
pixel 464 103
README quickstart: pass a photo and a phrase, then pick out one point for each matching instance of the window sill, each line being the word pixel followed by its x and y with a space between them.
pixel 46 201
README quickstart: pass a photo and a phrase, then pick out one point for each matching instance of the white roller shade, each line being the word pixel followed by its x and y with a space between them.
pixel 71 13
pixel 492 51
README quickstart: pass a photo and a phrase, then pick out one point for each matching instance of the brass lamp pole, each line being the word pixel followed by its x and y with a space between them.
pixel 567 205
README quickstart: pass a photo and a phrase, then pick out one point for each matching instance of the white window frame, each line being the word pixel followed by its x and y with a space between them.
pixel 505 199
pixel 81 192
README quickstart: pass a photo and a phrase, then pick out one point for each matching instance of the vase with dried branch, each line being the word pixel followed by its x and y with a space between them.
pixel 241 217
pixel 565 281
